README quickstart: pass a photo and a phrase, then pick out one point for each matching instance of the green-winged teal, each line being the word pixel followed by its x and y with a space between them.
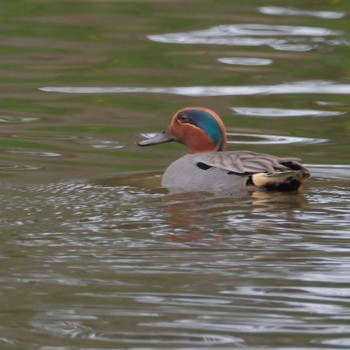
pixel 208 167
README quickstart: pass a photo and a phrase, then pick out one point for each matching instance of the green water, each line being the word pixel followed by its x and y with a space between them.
pixel 94 255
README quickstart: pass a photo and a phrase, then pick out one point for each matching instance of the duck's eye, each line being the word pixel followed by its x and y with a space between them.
pixel 183 118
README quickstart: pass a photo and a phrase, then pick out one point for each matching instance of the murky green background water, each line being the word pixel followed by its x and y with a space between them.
pixel 94 255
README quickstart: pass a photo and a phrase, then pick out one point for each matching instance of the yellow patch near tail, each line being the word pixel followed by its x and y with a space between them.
pixel 284 181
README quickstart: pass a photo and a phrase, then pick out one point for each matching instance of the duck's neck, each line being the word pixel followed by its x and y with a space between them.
pixel 207 147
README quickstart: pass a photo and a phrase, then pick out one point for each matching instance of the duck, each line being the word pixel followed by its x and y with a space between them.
pixel 209 167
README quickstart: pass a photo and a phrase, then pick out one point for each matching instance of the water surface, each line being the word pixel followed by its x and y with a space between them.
pixel 94 254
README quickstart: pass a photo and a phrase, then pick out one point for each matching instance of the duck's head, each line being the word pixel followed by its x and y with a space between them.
pixel 199 128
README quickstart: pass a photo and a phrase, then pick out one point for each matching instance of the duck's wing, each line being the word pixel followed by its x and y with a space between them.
pixel 248 163
pixel 260 170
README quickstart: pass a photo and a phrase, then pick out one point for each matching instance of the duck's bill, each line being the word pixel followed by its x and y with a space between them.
pixel 158 138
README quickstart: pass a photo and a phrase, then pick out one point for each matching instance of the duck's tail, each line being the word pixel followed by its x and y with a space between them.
pixel 290 180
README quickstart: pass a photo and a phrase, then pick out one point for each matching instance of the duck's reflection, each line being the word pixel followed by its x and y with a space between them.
pixel 205 219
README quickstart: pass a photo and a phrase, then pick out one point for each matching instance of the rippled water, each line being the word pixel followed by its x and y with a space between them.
pixel 295 38
pixel 118 267
pixel 302 87
pixel 94 254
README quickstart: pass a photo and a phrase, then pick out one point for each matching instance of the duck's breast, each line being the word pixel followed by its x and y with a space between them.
pixel 188 173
